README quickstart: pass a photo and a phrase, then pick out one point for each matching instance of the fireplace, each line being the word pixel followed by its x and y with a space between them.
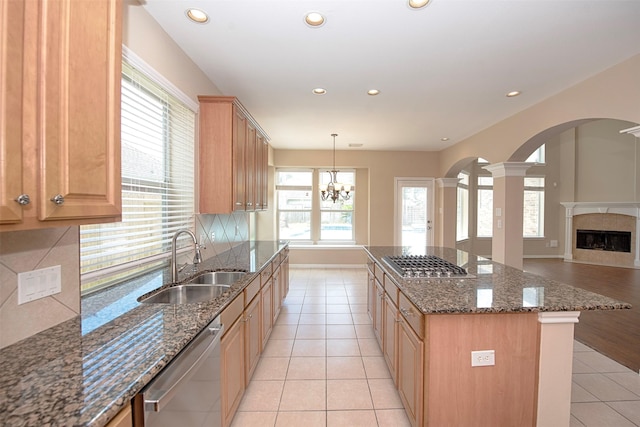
pixel 603 233
pixel 604 240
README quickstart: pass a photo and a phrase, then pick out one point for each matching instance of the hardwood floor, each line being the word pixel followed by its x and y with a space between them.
pixel 616 333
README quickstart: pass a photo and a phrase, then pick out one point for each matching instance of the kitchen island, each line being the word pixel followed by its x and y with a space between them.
pixel 84 371
pixel 430 328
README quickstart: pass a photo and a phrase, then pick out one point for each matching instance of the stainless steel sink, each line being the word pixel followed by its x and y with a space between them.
pixel 218 278
pixel 184 294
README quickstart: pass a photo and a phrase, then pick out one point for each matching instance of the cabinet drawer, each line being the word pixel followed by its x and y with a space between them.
pixel 371 265
pixel 392 290
pixel 232 312
pixel 265 274
pixel 412 315
pixel 251 290
pixel 379 273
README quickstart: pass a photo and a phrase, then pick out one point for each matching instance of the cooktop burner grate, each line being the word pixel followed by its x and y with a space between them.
pixel 424 266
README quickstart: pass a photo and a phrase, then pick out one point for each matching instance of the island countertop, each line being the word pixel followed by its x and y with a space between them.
pixel 495 287
pixel 82 372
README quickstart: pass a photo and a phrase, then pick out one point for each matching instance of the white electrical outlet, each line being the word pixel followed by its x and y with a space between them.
pixel 553 243
pixel 483 358
pixel 38 284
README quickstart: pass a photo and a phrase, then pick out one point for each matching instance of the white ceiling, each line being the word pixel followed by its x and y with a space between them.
pixel 443 71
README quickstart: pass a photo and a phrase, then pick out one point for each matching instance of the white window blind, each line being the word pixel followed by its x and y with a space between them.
pixel 157 185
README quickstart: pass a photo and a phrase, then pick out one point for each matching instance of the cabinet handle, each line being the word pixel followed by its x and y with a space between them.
pixel 249 204
pixel 406 312
pixel 238 203
pixel 58 199
pixel 23 199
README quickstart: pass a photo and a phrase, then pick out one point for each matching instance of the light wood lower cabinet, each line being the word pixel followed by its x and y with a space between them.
pixel 266 304
pixel 232 374
pixel 277 292
pixel 253 343
pixel 410 373
pixel 251 317
pixel 378 313
pixel 389 333
pixel 123 419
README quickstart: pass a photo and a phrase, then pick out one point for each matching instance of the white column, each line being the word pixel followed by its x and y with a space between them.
pixel 555 368
pixel 447 212
pixel 568 239
pixel 507 243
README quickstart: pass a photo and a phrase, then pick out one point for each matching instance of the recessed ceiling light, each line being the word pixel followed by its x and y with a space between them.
pixel 418 4
pixel 373 92
pixel 314 19
pixel 319 91
pixel 513 93
pixel 444 139
pixel 197 15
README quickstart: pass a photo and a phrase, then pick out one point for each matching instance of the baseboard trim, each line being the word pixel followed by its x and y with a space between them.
pixel 319 266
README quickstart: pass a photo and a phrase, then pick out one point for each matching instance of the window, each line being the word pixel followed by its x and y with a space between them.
pixel 157 136
pixel 485 207
pixel 294 191
pixel 303 217
pixel 537 156
pixel 462 223
pixel 533 220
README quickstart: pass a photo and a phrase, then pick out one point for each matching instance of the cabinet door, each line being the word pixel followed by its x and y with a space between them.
pixel 259 195
pixel 377 318
pixel 410 372
pixel 79 108
pixel 239 148
pixel 253 343
pixel 389 334
pixel 232 371
pixel 12 28
pixel 249 167
pixel 267 311
pixel 277 292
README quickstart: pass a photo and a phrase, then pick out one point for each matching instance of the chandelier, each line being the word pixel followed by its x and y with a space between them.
pixel 334 190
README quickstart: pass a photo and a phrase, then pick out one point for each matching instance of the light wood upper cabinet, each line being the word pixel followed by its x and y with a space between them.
pixel 230 161
pixel 61 133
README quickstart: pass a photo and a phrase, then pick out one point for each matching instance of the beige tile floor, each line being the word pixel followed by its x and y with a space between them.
pixel 323 367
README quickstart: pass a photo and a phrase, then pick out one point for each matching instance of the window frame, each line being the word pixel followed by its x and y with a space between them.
pixel 317 208
pixel 178 114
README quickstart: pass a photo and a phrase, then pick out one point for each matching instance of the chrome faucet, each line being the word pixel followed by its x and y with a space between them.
pixel 197 258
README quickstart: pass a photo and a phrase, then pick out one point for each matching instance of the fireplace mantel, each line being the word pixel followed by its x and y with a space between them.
pixel 580 208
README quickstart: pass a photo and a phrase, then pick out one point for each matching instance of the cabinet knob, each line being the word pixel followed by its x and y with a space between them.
pixel 249 204
pixel 58 199
pixel 23 199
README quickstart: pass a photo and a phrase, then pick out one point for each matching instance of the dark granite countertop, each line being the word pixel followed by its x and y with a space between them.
pixel 496 288
pixel 82 372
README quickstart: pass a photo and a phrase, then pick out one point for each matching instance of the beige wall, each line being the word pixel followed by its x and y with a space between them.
pixel 374 205
pixel 614 93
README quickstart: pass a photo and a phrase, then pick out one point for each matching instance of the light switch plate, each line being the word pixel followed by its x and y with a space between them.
pixel 36 284
pixel 483 358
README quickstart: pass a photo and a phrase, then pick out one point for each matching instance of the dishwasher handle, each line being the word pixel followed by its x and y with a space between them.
pixel 163 388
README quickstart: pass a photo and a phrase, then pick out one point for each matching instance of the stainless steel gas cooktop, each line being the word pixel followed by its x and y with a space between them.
pixel 425 266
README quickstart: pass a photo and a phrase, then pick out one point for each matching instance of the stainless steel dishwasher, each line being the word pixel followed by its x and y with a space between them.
pixel 186 392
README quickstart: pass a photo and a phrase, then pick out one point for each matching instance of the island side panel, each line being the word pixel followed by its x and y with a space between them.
pixel 499 395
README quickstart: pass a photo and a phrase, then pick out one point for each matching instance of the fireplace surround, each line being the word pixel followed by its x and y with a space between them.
pixel 605 229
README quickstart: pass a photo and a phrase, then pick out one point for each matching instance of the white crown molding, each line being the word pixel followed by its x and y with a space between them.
pixel 499 170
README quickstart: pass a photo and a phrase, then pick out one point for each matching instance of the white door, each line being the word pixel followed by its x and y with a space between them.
pixel 414 199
